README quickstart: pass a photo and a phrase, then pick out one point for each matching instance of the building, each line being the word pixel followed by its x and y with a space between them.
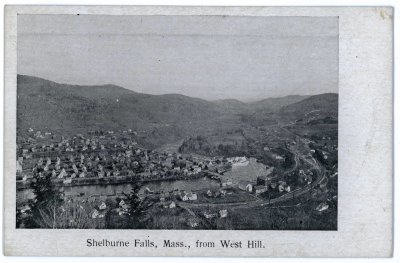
pixel 102 206
pixel 62 174
pixel 245 186
pixel 184 197
pixel 209 215
pixel 68 180
pixel 188 196
pixel 19 166
pixel 196 169
pixel 259 189
pixel 283 187
pixel 225 182
pixel 322 207
pixel 123 205
pixel 223 213
pixel 192 196
pixel 95 214
pixel 192 222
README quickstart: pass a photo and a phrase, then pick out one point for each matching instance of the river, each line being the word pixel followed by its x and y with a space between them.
pixel 117 189
pixel 237 173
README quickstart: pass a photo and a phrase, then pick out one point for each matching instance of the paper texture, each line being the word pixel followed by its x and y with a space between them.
pixel 365 159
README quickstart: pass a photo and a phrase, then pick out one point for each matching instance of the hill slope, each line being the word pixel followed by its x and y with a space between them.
pixel 274 104
pixel 69 109
pixel 314 108
pixel 48 105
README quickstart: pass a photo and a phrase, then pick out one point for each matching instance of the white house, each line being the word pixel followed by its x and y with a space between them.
pixel 322 207
pixel 209 215
pixel 102 206
pixel 223 213
pixel 62 174
pixel 19 167
pixel 259 189
pixel 196 169
pixel 245 186
pixel 192 196
pixel 68 180
pixel 226 182
pixel 95 214
pixel 192 222
pixel 188 196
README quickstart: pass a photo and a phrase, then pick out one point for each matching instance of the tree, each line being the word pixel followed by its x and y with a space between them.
pixel 43 187
pixel 45 196
pixel 135 207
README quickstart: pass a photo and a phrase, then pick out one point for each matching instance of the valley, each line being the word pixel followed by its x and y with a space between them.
pixel 226 164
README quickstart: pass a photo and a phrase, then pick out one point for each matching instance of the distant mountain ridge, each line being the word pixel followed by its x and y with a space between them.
pixel 325 105
pixel 47 105
pixel 273 104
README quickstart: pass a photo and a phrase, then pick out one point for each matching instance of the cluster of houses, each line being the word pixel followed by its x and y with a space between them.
pixel 188 196
pixel 116 154
pixel 168 201
pixel 305 176
pixel 326 144
pixel 221 213
pixel 105 155
pixel 193 222
pixel 216 193
pixel 100 211
pixel 264 184
pixel 167 198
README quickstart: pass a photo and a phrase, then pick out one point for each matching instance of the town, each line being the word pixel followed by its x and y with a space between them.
pixel 94 171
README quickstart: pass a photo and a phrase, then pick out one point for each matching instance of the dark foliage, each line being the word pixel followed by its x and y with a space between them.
pixel 136 209
pixel 45 194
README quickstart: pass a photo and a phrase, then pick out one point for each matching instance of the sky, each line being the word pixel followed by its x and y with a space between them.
pixel 209 57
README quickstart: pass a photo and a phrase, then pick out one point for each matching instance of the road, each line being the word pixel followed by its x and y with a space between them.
pixel 259 202
pixel 286 197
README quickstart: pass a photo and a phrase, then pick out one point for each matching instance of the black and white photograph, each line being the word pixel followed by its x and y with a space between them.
pixel 170 132
pixel 177 122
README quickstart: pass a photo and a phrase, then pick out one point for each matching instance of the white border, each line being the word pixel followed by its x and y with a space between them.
pixel 214 2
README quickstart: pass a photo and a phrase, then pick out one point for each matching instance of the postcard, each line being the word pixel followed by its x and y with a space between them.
pixel 198 131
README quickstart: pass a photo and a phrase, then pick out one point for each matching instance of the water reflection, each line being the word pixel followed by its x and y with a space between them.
pixel 117 189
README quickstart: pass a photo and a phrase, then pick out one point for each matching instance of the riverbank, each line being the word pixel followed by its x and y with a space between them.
pixel 21 185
